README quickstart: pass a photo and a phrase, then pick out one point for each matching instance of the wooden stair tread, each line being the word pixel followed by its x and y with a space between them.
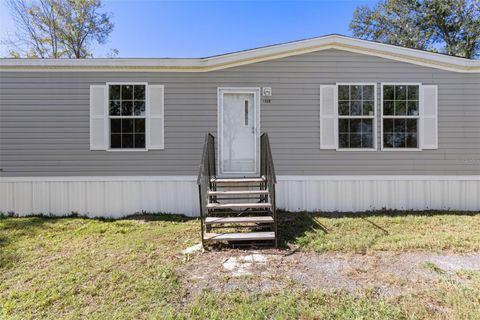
pixel 235 192
pixel 238 205
pixel 237 180
pixel 219 220
pixel 240 236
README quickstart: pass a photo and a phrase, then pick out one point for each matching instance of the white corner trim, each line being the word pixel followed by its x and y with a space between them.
pixel 392 52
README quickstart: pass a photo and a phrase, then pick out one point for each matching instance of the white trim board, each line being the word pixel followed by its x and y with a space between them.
pixel 414 56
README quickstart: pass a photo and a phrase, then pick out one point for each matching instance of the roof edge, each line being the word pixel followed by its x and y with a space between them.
pixel 392 52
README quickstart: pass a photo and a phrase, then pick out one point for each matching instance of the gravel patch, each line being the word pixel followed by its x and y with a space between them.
pixel 383 273
pixel 455 263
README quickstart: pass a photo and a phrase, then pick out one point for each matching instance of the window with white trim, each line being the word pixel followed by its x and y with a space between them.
pixel 400 116
pixel 356 116
pixel 126 109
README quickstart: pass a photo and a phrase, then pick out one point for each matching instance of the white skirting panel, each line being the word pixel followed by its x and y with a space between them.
pixel 120 196
pixel 99 196
pixel 364 193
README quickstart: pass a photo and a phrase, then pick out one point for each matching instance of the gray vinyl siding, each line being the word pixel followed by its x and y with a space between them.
pixel 44 119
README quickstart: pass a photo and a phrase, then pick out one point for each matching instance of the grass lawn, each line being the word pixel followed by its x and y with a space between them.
pixel 128 269
pixel 397 231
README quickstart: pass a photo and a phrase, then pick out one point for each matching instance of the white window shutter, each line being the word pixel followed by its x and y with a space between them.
pixel 98 117
pixel 429 117
pixel 328 117
pixel 155 112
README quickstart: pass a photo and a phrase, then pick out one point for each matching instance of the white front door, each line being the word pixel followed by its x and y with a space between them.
pixel 238 131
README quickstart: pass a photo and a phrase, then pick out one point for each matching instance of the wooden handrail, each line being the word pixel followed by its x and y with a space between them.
pixel 267 170
pixel 207 164
pixel 206 171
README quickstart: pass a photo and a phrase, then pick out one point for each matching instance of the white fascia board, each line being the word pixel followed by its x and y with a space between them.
pixel 392 52
pixel 102 63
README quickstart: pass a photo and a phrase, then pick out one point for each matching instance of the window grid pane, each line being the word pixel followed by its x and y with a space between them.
pixel 127 116
pixel 356 109
pixel 400 116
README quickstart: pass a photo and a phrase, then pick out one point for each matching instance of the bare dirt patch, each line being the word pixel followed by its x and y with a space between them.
pixel 383 273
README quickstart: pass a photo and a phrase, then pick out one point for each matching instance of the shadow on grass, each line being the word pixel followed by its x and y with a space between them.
pixel 24 223
pixel 375 225
pixel 294 225
pixel 12 229
pixel 36 220
pixel 392 213
pixel 167 217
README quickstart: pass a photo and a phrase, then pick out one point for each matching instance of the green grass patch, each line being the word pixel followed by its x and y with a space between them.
pixel 289 305
pixel 64 268
pixel 393 231
pixel 433 267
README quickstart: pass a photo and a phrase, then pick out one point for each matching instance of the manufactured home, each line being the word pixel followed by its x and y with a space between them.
pixel 331 123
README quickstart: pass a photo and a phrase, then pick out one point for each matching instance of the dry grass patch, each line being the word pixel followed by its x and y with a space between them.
pixel 69 268
pixel 132 268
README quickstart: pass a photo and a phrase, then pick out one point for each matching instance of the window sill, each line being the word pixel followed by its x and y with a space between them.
pixel 127 150
pixel 401 149
pixel 356 149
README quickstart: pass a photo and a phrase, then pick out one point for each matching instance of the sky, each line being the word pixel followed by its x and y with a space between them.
pixel 186 29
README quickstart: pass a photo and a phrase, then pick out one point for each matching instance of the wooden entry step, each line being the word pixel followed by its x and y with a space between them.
pixel 237 192
pixel 238 180
pixel 238 205
pixel 225 220
pixel 240 236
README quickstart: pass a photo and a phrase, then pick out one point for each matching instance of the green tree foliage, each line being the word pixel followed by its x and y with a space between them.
pixel 58 28
pixel 448 26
